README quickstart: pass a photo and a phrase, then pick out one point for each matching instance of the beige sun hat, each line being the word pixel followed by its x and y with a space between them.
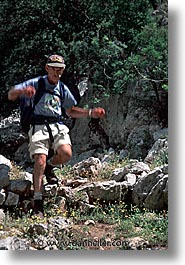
pixel 56 61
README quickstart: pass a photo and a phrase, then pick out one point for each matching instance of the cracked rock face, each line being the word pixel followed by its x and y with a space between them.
pixel 130 123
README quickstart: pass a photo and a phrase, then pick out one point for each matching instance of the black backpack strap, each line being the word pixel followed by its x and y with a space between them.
pixel 62 93
pixel 40 91
pixel 62 97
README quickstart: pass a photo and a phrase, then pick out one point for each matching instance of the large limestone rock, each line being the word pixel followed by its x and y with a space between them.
pixel 151 190
pixel 106 190
pixel 14 243
pixel 5 166
pixel 131 123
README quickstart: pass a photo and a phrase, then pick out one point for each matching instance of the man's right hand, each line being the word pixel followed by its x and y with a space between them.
pixel 29 91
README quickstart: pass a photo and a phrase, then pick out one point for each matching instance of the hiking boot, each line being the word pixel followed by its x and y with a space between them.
pixel 50 175
pixel 38 209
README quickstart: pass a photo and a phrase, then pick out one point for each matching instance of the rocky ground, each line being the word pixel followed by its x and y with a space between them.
pixel 90 178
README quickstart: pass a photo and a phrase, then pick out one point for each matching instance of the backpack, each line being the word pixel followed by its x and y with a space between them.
pixel 27 106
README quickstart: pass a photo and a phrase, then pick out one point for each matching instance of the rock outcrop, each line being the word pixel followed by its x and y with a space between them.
pixel 134 183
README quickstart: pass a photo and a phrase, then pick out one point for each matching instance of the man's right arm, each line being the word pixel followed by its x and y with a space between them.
pixel 14 94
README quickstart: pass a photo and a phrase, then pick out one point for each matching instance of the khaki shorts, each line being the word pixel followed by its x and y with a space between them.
pixel 39 142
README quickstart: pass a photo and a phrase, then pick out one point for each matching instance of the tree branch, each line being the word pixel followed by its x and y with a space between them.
pixel 146 78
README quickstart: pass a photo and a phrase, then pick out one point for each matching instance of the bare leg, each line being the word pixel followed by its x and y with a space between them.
pixel 39 167
pixel 63 155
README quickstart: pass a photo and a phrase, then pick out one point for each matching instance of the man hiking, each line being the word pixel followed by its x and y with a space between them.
pixel 47 130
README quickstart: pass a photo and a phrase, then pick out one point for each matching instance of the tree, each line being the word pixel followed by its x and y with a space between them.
pixel 112 42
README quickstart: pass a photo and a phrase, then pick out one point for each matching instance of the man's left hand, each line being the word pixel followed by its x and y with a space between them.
pixel 98 113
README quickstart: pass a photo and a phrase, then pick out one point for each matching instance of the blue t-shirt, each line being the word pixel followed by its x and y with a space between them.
pixel 50 105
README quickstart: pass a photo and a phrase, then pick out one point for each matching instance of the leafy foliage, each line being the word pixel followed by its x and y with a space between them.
pixel 112 42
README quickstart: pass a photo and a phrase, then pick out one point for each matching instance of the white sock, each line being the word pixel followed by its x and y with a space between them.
pixel 37 196
pixel 49 162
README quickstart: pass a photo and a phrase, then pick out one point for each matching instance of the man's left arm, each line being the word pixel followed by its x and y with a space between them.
pixel 76 112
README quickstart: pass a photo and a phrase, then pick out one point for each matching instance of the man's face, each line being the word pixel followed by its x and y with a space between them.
pixel 54 73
